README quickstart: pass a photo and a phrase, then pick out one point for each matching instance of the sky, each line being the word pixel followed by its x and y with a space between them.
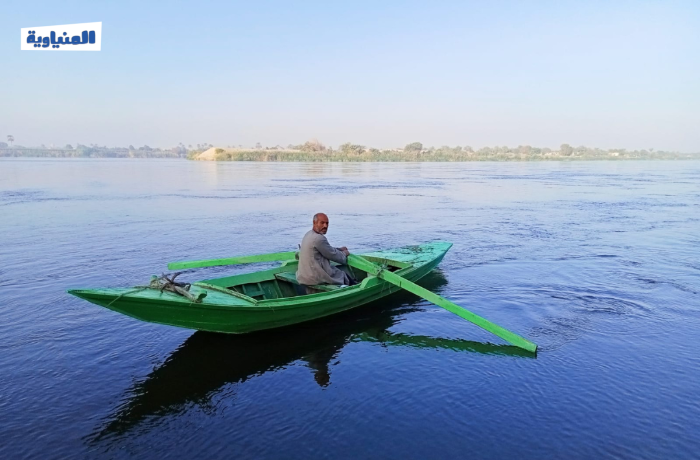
pixel 608 74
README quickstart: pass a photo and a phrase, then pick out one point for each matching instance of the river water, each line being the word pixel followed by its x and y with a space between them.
pixel 597 263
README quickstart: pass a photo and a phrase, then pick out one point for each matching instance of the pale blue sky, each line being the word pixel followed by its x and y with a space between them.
pixel 380 73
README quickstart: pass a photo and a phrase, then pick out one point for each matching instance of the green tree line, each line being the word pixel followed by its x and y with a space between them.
pixel 415 151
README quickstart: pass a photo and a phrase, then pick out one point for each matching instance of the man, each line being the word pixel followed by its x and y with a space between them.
pixel 316 254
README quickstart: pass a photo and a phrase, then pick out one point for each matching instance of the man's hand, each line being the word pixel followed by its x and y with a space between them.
pixel 344 250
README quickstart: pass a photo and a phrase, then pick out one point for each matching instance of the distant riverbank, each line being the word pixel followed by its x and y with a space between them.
pixel 445 154
pixel 354 153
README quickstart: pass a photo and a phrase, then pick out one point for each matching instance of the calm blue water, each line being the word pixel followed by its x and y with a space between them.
pixel 598 263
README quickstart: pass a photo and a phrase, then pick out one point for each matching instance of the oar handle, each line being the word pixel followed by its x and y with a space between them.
pixel 272 257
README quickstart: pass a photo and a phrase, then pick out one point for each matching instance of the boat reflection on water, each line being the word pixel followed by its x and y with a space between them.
pixel 207 362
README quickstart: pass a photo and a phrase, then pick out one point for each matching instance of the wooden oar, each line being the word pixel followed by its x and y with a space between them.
pixel 275 256
pixel 379 272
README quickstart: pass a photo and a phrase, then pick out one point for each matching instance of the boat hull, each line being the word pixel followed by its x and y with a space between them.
pixel 229 314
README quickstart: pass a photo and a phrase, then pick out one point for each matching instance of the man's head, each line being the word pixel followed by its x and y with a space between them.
pixel 320 223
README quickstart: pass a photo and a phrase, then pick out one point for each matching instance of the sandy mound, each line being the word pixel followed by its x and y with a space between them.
pixel 207 155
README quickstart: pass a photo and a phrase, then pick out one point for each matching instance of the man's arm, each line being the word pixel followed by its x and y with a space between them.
pixel 329 252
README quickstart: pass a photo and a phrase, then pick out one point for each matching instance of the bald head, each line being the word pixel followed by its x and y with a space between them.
pixel 320 223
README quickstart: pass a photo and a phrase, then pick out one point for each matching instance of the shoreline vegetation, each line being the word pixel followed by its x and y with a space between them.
pixel 93 151
pixel 314 151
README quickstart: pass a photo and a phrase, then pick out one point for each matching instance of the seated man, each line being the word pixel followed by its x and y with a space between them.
pixel 316 254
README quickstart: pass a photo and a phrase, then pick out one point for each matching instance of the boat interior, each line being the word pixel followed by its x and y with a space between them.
pixel 281 282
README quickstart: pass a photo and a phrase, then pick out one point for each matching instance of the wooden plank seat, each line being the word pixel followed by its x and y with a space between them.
pixel 291 277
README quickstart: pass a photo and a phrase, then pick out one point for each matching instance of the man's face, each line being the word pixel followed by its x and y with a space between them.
pixel 321 224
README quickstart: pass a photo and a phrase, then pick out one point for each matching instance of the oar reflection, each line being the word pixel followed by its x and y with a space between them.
pixel 425 342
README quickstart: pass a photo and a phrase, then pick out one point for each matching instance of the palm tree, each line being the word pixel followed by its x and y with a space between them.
pixel 10 139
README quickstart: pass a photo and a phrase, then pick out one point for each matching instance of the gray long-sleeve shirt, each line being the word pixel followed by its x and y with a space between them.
pixel 314 261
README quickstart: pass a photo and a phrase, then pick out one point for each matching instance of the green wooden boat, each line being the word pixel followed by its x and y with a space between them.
pixel 266 299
